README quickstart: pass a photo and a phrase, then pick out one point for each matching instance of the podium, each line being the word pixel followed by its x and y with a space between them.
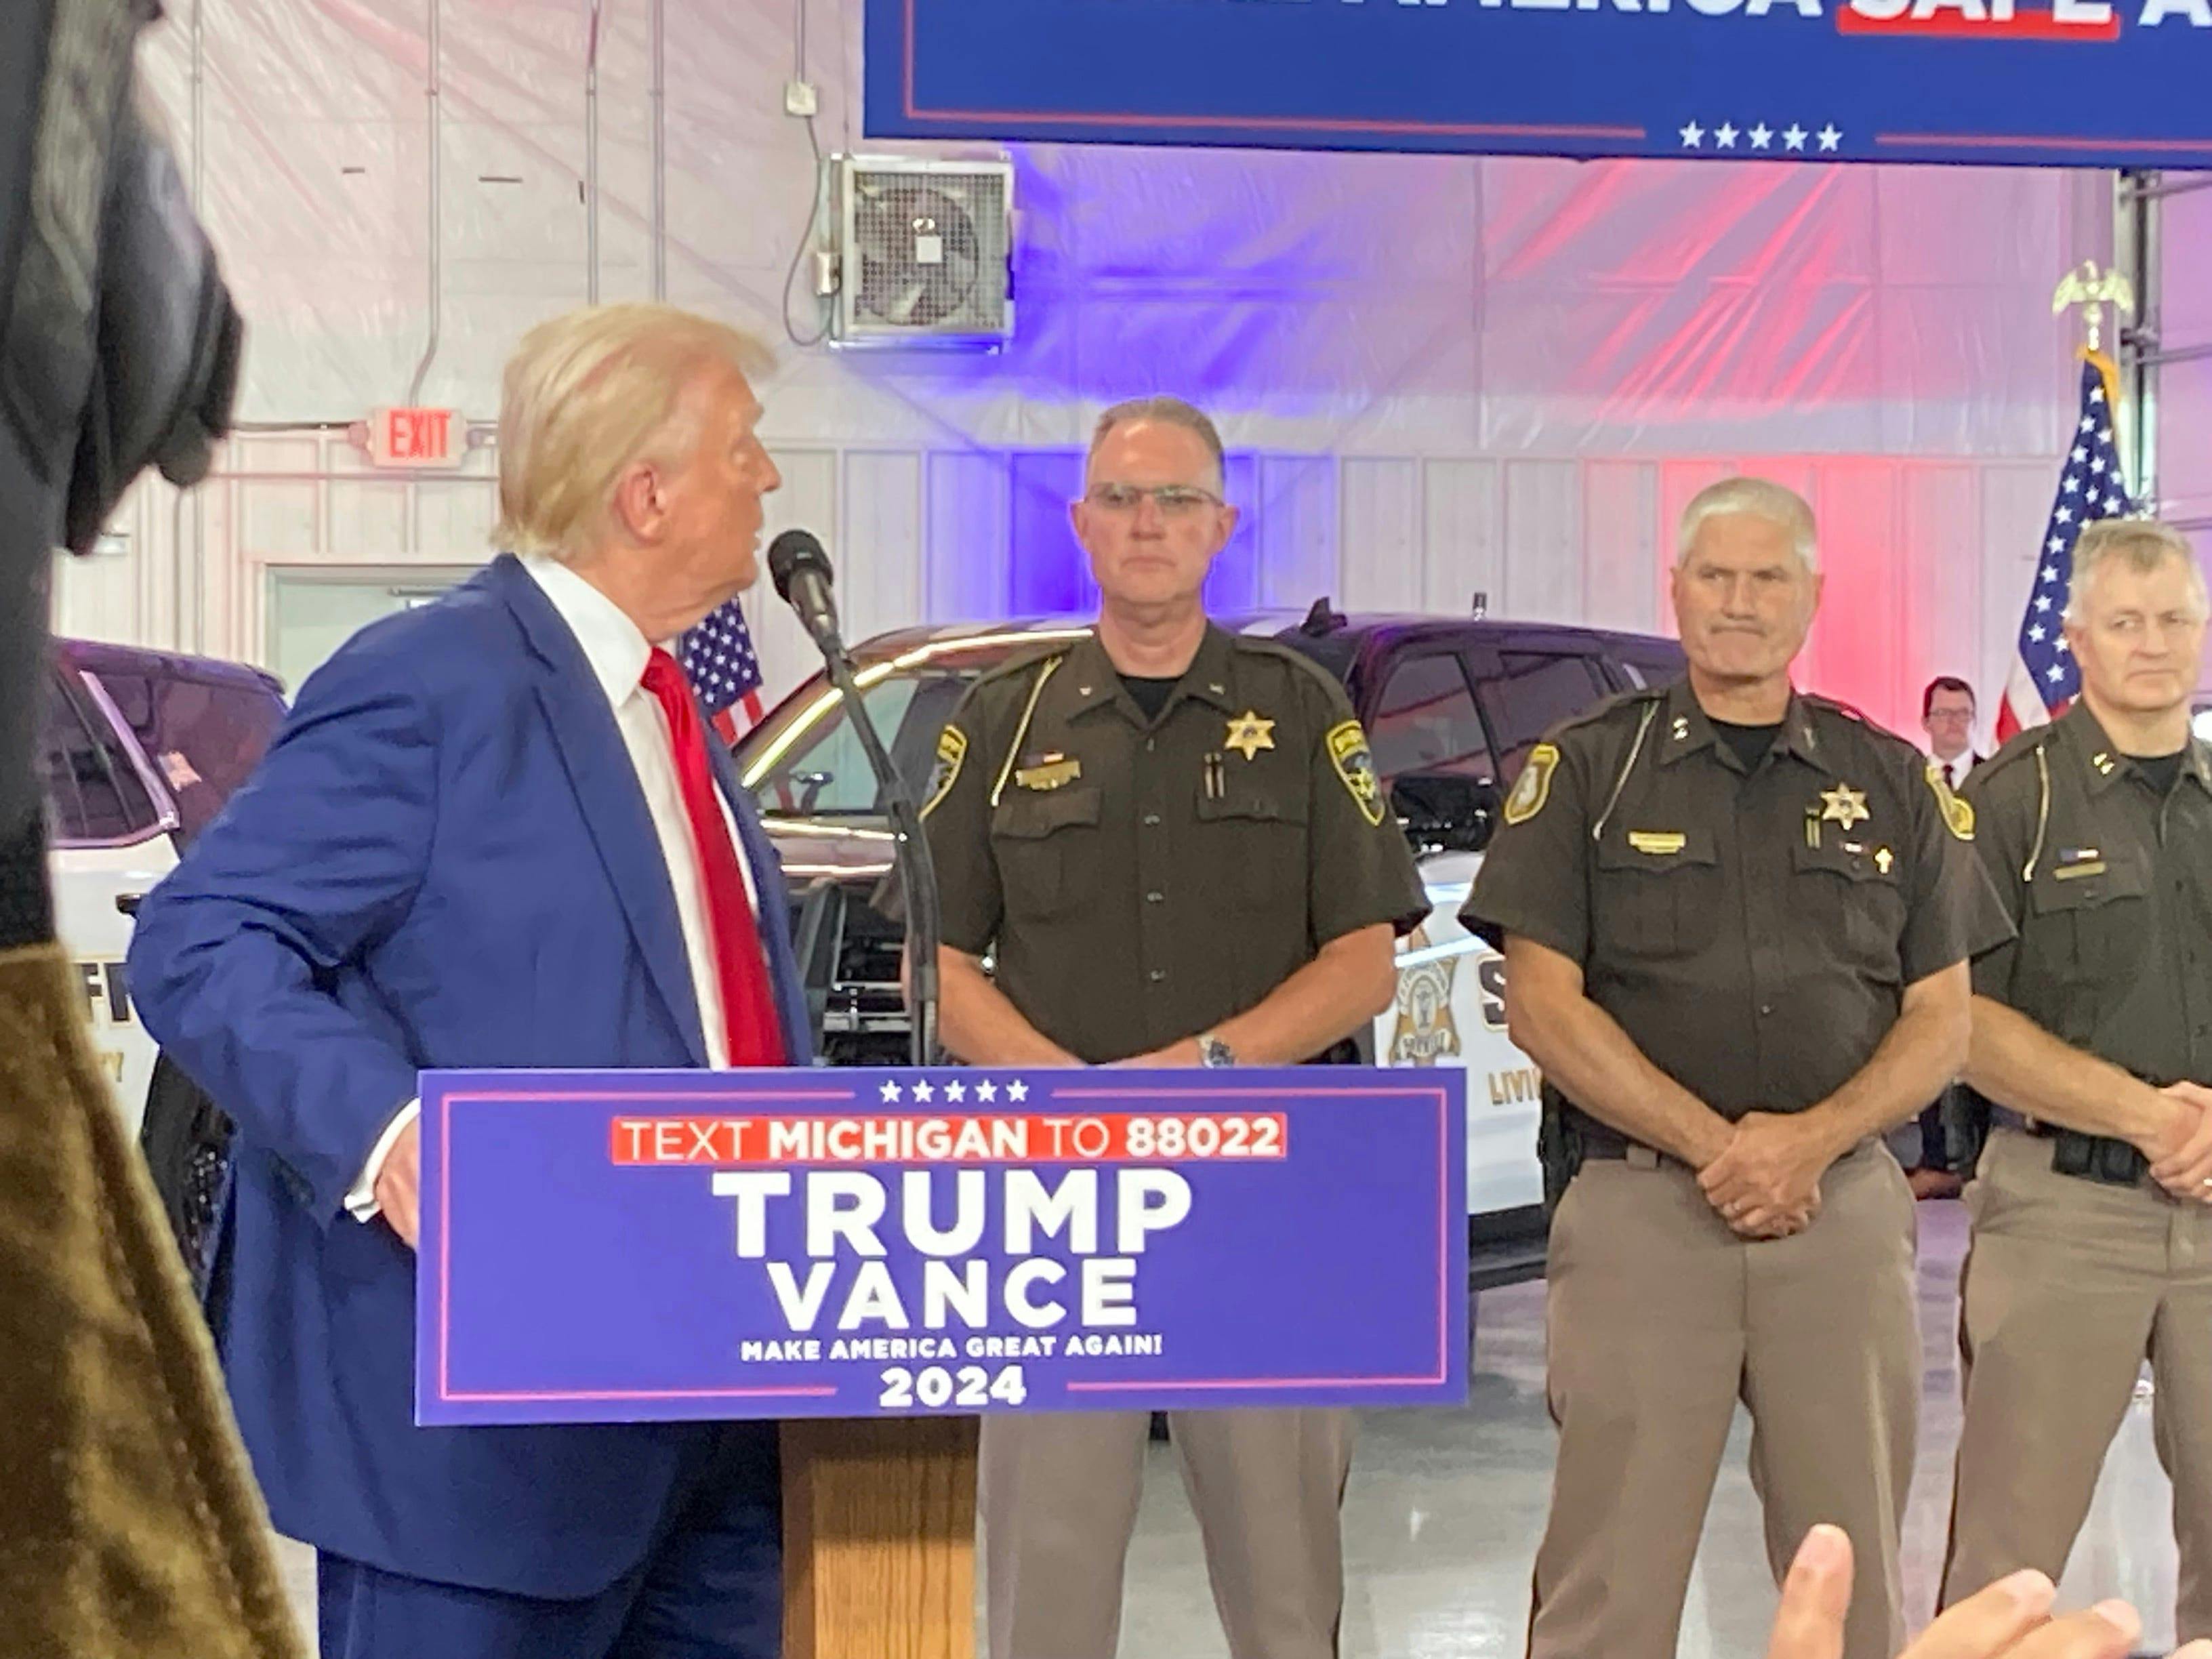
pixel 879 1538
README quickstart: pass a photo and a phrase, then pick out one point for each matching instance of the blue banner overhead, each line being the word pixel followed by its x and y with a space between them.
pixel 2067 82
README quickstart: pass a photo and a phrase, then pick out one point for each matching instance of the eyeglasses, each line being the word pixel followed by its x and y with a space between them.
pixel 1174 501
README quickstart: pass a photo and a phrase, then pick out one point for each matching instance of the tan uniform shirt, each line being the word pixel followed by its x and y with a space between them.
pixel 1753 932
pixel 1141 881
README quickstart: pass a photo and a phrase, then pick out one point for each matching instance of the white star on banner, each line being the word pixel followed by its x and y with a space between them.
pixel 2113 503
pixel 2064 515
pixel 2080 453
pixel 2050 573
pixel 2097 465
pixel 2057 543
pixel 1830 137
pixel 1762 137
pixel 956 1092
pixel 2088 424
pixel 924 1093
pixel 2038 633
pixel 1725 136
pixel 1794 136
pixel 2043 603
pixel 2097 396
pixel 1018 1092
pixel 2064 649
pixel 987 1091
pixel 2072 485
pixel 891 1093
pixel 1692 135
pixel 2055 674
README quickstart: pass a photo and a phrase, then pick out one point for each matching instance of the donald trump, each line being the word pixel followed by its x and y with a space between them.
pixel 493 834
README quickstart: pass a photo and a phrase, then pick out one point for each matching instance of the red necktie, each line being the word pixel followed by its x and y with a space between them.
pixel 748 1004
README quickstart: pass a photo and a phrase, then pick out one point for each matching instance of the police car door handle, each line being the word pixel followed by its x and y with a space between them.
pixel 128 903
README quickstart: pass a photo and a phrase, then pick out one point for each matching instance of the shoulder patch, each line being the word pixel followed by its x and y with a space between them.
pixel 1355 764
pixel 1534 786
pixel 951 752
pixel 1958 816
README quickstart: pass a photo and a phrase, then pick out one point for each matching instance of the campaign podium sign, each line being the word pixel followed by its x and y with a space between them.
pixel 624 1246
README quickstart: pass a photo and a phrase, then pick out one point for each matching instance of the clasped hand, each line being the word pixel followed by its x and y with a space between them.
pixel 2181 1156
pixel 1766 1182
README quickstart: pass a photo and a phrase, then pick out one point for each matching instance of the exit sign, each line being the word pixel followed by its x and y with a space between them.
pixel 415 437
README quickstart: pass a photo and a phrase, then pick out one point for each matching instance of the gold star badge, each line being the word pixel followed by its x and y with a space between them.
pixel 1248 734
pixel 1844 805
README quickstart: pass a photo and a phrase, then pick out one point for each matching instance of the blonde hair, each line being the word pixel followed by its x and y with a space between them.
pixel 587 393
pixel 1760 497
pixel 2142 544
pixel 1170 411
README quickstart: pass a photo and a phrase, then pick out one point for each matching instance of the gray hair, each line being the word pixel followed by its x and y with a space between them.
pixel 2142 544
pixel 585 394
pixel 1171 411
pixel 1761 498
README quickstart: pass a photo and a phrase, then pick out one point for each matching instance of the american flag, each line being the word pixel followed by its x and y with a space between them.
pixel 719 662
pixel 2045 677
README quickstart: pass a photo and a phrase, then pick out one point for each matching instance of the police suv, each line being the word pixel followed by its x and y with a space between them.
pixel 138 750
pixel 1452 707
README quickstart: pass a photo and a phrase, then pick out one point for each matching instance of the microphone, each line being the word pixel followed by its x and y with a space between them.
pixel 801 570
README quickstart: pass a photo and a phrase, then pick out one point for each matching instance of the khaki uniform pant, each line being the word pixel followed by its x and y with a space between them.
pixel 1059 1496
pixel 2070 1285
pixel 1661 1319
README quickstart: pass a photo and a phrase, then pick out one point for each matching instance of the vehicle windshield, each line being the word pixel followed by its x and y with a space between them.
pixel 805 760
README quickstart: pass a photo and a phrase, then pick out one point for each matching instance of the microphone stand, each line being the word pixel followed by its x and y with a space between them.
pixel 925 922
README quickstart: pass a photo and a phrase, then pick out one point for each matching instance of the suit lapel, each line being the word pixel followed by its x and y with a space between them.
pixel 607 792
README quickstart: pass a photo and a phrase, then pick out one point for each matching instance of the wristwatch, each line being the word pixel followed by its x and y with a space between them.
pixel 1214 1053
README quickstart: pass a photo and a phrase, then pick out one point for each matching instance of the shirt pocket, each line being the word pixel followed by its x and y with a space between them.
pixel 2087 920
pixel 1658 894
pixel 1253 848
pixel 1842 896
pixel 1047 846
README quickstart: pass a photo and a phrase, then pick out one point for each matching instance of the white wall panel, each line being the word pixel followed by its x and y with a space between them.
pixel 970 522
pixel 1465 518
pixel 1622 539
pixel 1380 559
pixel 880 574
pixel 1544 574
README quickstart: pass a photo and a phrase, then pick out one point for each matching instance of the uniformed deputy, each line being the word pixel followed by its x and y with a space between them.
pixel 2093 1239
pixel 1736 921
pixel 1175 841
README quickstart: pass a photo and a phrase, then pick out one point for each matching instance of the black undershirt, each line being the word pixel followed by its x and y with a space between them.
pixel 1151 695
pixel 2164 771
pixel 1750 743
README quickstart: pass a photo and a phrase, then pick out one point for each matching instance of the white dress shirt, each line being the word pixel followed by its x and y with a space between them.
pixel 1960 767
pixel 618 652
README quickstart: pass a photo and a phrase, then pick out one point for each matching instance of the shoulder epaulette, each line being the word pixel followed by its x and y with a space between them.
pixel 2015 749
pixel 1024 660
pixel 1261 645
pixel 1859 718
pixel 1606 707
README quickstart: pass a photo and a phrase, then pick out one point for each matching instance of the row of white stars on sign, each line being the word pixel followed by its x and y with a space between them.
pixel 1761 136
pixel 955 1093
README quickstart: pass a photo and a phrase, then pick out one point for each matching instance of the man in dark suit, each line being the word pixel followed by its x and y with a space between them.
pixel 491 834
pixel 1949 1137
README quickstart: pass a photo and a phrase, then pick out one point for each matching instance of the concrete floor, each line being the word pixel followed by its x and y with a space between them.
pixel 1446 1508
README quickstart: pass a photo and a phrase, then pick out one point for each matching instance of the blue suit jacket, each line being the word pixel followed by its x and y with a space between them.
pixel 445 861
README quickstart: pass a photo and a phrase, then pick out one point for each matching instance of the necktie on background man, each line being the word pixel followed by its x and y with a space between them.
pixel 754 1038
pixel 719 661
pixel 2043 677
